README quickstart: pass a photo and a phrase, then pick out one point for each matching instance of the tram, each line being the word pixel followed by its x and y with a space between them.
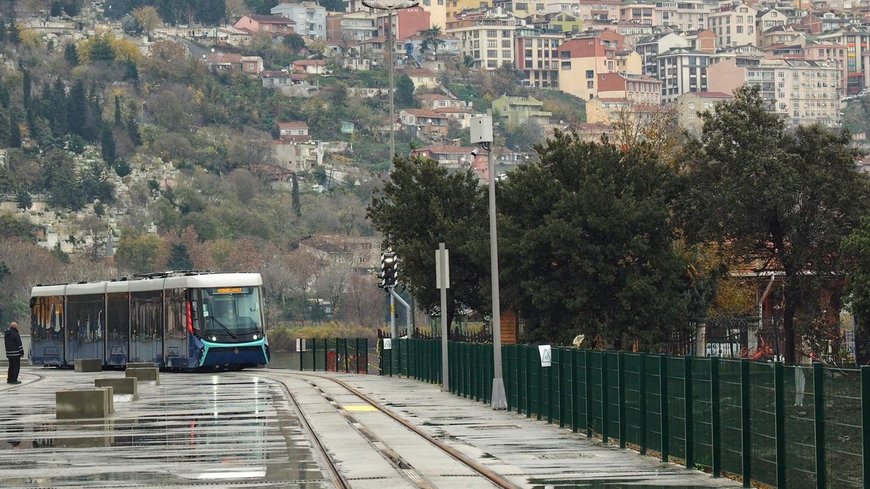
pixel 185 320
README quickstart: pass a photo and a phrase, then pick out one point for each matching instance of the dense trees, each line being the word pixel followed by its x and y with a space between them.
pixel 773 199
pixel 588 246
pixel 422 205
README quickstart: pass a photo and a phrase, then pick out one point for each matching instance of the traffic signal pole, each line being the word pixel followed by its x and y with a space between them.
pixel 393 298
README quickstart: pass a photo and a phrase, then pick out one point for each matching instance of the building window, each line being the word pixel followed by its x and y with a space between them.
pixel 566 65
pixel 590 74
pixel 590 84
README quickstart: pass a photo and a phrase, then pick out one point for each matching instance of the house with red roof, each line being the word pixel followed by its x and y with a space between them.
pixel 273 24
pixel 310 66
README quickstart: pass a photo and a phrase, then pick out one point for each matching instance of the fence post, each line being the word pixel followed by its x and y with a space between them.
pixel 605 418
pixel 346 360
pixel 819 414
pixel 779 407
pixel 540 410
pixel 865 423
pixel 689 418
pixel 301 354
pixel 563 360
pixel 642 402
pixel 575 392
pixel 528 376
pixel 550 375
pixel 620 369
pixel 326 355
pixel 715 414
pixel 588 387
pixel 313 354
pixel 663 406
pixel 366 358
pixel 745 426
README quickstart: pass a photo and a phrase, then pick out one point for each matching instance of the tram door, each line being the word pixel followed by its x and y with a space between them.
pixel 175 335
pixel 46 330
pixel 117 328
pixel 85 327
pixel 146 326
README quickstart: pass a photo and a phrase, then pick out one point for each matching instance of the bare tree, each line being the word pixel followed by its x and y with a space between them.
pixel 655 126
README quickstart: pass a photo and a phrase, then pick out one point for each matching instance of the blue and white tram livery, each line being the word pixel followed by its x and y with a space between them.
pixel 177 320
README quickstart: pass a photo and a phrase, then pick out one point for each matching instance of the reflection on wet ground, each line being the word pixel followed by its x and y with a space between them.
pixel 192 429
pixel 610 484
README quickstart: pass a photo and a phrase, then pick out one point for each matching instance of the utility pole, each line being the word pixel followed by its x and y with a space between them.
pixel 482 134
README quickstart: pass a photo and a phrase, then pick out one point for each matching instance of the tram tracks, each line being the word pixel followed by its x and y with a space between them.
pixel 413 476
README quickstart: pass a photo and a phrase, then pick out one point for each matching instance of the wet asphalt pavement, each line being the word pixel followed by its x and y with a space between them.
pixel 242 430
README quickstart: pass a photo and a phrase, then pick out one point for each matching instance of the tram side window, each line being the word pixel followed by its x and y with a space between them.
pixel 147 312
pixel 85 322
pixel 46 317
pixel 176 319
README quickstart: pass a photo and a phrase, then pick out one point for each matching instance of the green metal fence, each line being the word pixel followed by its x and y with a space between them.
pixel 335 355
pixel 784 426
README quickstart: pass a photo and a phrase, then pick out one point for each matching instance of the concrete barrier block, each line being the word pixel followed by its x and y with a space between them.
pixel 82 403
pixel 144 374
pixel 121 385
pixel 141 365
pixel 110 399
pixel 88 364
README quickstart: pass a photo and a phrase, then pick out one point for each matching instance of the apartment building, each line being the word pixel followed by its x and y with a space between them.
pixel 565 22
pixel 309 18
pixel 650 48
pixel 734 25
pixel 766 20
pixel 689 106
pixel 351 27
pixel 437 11
pixel 408 22
pixel 801 91
pixel 637 13
pixel 682 70
pixel 599 10
pixel 581 60
pixel 857 42
pixel 537 56
pixel 454 7
pixel 488 37
pixel 638 89
pixel 681 15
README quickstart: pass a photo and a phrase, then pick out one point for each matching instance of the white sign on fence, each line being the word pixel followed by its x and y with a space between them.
pixel 728 350
pixel 388 343
pixel 546 355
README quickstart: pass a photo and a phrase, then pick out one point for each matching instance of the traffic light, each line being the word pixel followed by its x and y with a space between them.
pixel 389 269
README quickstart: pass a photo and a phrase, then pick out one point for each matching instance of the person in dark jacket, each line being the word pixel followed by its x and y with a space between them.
pixel 14 352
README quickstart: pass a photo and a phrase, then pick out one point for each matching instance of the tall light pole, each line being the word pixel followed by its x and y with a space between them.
pixel 390 6
pixel 481 134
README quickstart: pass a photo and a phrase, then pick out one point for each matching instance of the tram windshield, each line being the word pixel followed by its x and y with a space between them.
pixel 231 311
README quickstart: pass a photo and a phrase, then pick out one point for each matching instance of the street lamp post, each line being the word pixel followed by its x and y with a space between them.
pixel 391 6
pixel 482 134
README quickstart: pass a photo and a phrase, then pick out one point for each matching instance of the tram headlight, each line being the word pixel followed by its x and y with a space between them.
pixel 214 338
pixel 256 336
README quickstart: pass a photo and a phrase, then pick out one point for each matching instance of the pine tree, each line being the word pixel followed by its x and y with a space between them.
pixel 77 109
pixel 26 89
pixel 71 54
pixel 294 196
pixel 14 133
pixel 133 130
pixel 118 119
pixel 108 146
pixel 179 259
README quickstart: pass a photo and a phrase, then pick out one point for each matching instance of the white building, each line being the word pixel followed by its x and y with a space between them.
pixel 734 25
pixel 309 17
pixel 488 37
pixel 682 70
